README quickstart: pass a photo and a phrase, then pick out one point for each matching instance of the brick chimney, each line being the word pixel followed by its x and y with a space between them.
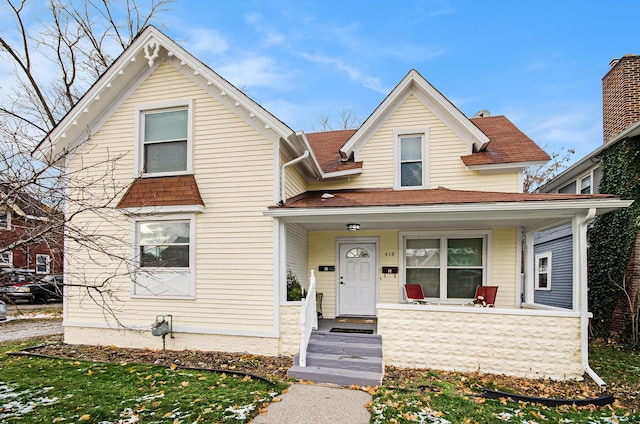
pixel 620 95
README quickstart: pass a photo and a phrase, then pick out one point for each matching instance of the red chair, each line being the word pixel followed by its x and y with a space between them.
pixel 488 294
pixel 413 293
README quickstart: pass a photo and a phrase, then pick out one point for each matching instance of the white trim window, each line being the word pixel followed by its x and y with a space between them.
pixel 164 252
pixel 6 259
pixel 43 264
pixel 5 220
pixel 447 266
pixel 543 271
pixel 165 133
pixel 411 159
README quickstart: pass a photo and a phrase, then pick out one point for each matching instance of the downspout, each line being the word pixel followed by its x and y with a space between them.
pixel 584 301
pixel 283 178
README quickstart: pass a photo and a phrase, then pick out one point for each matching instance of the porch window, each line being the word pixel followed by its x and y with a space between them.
pixel 43 264
pixel 5 220
pixel 165 140
pixel 447 267
pixel 411 159
pixel 164 252
pixel 543 271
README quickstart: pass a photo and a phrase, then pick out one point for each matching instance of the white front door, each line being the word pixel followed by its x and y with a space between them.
pixel 357 279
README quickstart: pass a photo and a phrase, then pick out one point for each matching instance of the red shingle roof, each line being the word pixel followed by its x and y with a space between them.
pixel 390 197
pixel 162 191
pixel 326 147
pixel 508 144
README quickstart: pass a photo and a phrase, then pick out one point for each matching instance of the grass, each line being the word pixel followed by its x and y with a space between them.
pixel 37 390
pixel 456 400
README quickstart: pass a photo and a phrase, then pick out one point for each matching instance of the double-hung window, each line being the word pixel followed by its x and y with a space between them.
pixel 164 252
pixel 411 159
pixel 543 271
pixel 43 264
pixel 165 140
pixel 447 266
pixel 585 185
pixel 5 220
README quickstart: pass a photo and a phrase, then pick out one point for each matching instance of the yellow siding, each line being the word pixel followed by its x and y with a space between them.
pixel 504 275
pixel 322 251
pixel 295 183
pixel 233 165
pixel 445 166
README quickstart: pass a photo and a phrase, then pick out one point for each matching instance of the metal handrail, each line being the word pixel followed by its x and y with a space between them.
pixel 308 319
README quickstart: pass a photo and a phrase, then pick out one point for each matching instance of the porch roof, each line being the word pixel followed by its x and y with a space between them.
pixel 438 208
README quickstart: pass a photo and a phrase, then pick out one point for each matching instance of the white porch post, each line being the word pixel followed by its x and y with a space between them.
pixel 528 269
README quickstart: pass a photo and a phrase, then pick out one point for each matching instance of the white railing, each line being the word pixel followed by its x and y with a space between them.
pixel 308 319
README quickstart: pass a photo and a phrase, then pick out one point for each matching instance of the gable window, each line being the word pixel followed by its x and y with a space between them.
pixel 6 259
pixel 5 220
pixel 411 159
pixel 165 140
pixel 43 264
pixel 164 252
pixel 447 266
pixel 543 271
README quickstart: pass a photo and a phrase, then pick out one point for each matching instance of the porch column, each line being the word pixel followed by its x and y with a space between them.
pixel 528 268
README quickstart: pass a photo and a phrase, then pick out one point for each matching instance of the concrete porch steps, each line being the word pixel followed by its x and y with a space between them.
pixel 342 359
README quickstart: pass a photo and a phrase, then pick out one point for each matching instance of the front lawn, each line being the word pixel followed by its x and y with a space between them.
pixel 40 390
pixel 428 396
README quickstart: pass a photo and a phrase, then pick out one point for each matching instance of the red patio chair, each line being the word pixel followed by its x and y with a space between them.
pixel 413 293
pixel 488 294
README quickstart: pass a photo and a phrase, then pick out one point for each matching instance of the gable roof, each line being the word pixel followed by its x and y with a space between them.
pixel 507 145
pixel 416 84
pixel 326 147
pixel 150 48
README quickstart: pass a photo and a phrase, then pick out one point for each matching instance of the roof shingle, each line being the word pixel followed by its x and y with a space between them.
pixel 161 191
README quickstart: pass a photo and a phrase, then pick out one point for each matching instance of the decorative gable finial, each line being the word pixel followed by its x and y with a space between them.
pixel 154 47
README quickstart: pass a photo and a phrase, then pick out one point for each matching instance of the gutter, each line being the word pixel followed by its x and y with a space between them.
pixel 283 177
pixel 584 308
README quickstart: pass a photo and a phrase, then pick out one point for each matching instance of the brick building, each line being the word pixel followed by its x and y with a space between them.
pixel 31 236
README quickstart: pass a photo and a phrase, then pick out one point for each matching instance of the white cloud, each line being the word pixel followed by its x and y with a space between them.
pixel 271 36
pixel 254 71
pixel 353 73
pixel 205 41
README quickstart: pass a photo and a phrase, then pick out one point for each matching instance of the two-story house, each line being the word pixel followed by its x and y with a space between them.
pixel 222 199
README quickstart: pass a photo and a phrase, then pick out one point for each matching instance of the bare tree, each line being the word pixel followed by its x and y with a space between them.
pixel 537 176
pixel 55 54
pixel 347 120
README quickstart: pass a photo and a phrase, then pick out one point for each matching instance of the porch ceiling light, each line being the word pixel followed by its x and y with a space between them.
pixel 353 227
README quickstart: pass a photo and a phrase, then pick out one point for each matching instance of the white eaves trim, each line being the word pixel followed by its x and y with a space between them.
pixel 468 208
pixel 505 167
pixel 414 83
pixel 137 60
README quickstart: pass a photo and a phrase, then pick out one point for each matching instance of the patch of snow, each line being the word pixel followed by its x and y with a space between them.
pixel 15 403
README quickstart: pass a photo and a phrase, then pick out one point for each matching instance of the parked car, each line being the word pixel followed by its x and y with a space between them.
pixel 48 288
pixel 3 311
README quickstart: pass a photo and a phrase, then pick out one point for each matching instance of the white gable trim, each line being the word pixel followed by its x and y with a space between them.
pixel 145 53
pixel 414 83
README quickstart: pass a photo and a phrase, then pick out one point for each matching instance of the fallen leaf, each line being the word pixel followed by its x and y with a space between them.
pixel 85 417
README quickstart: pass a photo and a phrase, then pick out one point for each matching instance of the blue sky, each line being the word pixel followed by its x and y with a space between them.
pixel 539 63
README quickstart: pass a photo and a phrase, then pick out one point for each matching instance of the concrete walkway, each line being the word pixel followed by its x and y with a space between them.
pixel 318 404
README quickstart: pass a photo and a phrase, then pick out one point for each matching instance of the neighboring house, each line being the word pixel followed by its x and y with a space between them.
pixel 26 244
pixel 222 198
pixel 621 123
